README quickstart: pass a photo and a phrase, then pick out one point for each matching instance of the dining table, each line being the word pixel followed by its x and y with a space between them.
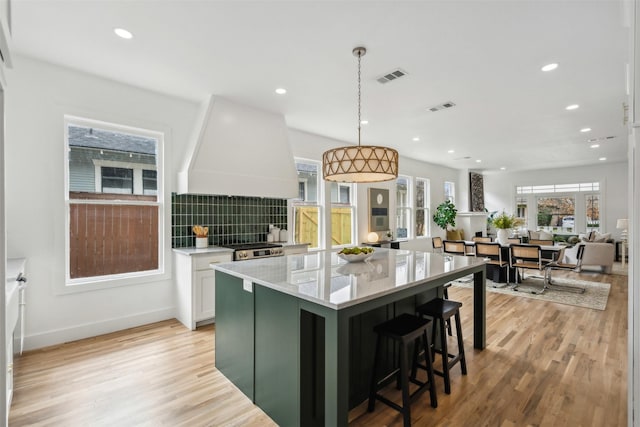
pixel 495 273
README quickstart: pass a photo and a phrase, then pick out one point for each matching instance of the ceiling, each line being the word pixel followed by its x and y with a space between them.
pixel 484 56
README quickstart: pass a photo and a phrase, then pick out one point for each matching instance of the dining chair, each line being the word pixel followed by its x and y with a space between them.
pixel 492 252
pixel 436 242
pixel 560 265
pixel 454 247
pixel 515 240
pixel 481 239
pixel 527 257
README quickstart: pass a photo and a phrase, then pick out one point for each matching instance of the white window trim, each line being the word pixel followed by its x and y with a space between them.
pixel 115 280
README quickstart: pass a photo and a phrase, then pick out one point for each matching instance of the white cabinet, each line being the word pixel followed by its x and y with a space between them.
pixel 205 289
pixel 195 285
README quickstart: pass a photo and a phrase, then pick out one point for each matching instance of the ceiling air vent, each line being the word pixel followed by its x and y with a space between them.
pixel 442 106
pixel 393 75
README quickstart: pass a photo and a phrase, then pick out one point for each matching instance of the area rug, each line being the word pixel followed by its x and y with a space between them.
pixel 595 296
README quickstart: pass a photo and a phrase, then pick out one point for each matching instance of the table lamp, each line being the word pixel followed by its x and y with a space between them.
pixel 373 237
pixel 623 224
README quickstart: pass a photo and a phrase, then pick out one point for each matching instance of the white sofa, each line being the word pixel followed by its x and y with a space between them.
pixel 596 254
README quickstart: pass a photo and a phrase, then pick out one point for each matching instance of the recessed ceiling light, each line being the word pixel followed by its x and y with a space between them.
pixel 478 161
pixel 281 91
pixel 121 32
pixel 583 130
pixel 595 145
pixel 416 138
pixel 602 159
pixel 364 122
pixel 572 107
pixel 550 67
pixel 503 168
pixel 451 151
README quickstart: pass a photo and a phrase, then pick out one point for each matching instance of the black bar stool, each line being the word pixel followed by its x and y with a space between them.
pixel 441 310
pixel 403 329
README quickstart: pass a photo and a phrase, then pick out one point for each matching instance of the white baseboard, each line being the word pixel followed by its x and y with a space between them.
pixel 59 336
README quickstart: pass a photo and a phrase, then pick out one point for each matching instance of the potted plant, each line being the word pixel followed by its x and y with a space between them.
pixel 445 215
pixel 503 223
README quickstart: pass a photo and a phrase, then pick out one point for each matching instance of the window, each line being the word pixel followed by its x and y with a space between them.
pixel 306 210
pixel 450 191
pixel 117 180
pixel 558 188
pixel 149 182
pixel 114 227
pixel 522 210
pixel 552 212
pixel 403 207
pixel 423 210
pixel 342 214
pixel 592 210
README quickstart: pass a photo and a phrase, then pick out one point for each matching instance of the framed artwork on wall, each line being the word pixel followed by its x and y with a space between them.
pixel 476 192
pixel 378 209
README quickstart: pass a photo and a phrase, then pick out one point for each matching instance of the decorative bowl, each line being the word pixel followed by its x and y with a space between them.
pixel 355 257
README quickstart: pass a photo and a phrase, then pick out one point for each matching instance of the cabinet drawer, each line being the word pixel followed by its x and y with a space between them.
pixel 202 261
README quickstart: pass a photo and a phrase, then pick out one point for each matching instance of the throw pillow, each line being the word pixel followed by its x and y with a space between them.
pixel 453 235
pixel 591 235
pixel 601 237
pixel 544 235
pixel 535 235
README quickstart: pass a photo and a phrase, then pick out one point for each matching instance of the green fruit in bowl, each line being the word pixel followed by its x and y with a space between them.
pixel 356 251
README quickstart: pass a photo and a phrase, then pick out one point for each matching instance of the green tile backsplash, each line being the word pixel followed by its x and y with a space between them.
pixel 231 219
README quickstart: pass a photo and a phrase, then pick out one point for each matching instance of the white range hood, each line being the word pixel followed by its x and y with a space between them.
pixel 239 151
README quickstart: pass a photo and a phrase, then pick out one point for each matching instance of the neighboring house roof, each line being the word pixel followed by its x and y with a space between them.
pixel 115 141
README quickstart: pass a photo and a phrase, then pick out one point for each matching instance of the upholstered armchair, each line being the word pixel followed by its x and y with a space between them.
pixel 596 254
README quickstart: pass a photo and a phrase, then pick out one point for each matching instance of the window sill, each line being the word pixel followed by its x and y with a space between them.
pixel 108 282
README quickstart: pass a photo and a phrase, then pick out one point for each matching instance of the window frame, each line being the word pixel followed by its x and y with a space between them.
pixel 351 206
pixel 319 203
pixel 121 279
pixel 405 208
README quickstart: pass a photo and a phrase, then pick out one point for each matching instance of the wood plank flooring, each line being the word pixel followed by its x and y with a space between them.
pixel 545 365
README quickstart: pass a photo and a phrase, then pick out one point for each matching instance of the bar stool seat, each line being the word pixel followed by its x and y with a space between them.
pixel 441 310
pixel 403 330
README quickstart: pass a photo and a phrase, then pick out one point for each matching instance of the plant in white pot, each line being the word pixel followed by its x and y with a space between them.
pixel 503 223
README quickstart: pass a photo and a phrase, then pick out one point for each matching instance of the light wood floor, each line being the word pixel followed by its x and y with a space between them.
pixel 545 365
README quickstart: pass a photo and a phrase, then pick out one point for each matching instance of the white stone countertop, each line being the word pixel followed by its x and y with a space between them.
pixel 324 278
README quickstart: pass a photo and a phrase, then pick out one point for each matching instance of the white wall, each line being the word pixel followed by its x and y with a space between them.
pixel 37 99
pixel 499 188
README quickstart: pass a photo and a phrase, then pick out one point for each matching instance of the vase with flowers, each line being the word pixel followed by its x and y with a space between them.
pixel 504 222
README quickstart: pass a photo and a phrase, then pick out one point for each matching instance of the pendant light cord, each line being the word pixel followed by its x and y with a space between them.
pixel 359 97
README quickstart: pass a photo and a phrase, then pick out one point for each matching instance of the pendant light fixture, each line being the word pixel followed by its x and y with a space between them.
pixel 360 163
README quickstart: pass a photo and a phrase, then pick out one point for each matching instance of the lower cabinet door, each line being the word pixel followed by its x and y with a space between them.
pixel 205 300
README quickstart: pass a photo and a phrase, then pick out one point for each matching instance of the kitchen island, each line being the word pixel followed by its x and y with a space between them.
pixel 295 334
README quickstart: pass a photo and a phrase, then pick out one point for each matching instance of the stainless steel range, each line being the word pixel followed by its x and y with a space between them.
pixel 245 251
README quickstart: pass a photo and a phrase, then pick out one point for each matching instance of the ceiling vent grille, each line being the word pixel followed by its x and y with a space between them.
pixel 393 75
pixel 442 106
